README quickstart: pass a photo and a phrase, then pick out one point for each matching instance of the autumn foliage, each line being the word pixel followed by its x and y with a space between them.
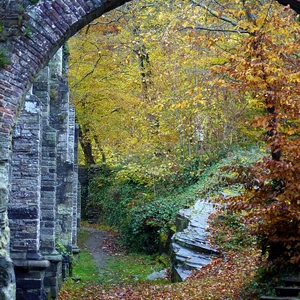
pixel 162 83
pixel 226 277
pixel 265 66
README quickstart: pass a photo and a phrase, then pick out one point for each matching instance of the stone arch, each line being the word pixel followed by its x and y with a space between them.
pixel 30 37
pixel 45 27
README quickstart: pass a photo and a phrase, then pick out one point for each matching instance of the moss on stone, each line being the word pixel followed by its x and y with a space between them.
pixel 4 59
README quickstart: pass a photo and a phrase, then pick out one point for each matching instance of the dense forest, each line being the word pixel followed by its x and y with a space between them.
pixel 166 89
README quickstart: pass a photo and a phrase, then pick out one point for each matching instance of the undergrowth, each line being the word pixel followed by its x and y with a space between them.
pixel 232 276
pixel 146 220
pixel 242 272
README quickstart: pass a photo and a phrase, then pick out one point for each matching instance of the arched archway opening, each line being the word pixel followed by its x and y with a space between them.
pixel 31 34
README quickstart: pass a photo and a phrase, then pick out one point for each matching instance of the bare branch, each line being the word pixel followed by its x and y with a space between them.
pixel 212 29
pixel 214 13
pixel 88 73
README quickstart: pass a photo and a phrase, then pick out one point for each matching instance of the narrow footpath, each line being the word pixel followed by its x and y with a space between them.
pixel 95 244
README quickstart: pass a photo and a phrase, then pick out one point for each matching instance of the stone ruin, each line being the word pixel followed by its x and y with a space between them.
pixel 44 205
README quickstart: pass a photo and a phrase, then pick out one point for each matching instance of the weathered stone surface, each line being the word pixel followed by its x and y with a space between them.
pixel 6 276
pixel 158 275
pixel 189 248
pixel 43 199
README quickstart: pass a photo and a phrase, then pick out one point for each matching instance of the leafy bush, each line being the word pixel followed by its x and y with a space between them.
pixel 230 232
pixel 4 59
pixel 140 211
pixel 270 203
pixel 143 212
pixel 106 198
pixel 146 221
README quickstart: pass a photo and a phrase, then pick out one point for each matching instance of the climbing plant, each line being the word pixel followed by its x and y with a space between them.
pixel 4 59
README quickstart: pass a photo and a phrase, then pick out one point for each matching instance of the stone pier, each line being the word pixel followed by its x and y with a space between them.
pixel 42 207
pixel 38 139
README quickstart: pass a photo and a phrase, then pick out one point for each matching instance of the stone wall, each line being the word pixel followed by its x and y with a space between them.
pixel 42 208
pixel 43 203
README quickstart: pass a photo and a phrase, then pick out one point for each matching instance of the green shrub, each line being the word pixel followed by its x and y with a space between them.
pixel 142 212
pixel 139 212
pixel 4 59
pixel 146 221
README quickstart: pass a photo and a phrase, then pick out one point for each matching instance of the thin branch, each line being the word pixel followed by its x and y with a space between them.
pixel 215 14
pixel 108 75
pixel 212 29
pixel 166 31
pixel 88 73
pixel 93 69
pixel 267 13
pixel 220 4
pixel 103 23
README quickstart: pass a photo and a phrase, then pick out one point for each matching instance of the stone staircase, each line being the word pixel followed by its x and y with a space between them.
pixel 290 290
pixel 189 247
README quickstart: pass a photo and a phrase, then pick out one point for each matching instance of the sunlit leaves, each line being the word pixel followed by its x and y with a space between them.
pixel 159 82
pixel 263 63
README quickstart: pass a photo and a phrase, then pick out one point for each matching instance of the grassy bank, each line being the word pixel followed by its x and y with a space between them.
pixel 122 268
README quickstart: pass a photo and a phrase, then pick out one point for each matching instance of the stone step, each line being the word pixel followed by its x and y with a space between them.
pixel 189 247
pixel 278 298
pixel 179 273
pixel 287 291
pixel 195 216
pixel 197 243
pixel 291 281
pixel 182 220
pixel 187 257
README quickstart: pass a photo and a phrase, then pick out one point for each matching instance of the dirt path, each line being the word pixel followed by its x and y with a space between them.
pixel 95 244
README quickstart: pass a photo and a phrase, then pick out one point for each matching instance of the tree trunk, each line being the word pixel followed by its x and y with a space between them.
pixel 86 146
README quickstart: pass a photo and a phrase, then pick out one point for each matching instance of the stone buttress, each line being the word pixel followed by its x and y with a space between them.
pixel 42 208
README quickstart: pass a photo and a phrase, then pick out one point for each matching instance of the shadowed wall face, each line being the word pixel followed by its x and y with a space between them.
pixel 42 208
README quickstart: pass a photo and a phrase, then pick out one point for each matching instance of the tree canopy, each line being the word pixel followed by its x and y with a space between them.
pixel 158 84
